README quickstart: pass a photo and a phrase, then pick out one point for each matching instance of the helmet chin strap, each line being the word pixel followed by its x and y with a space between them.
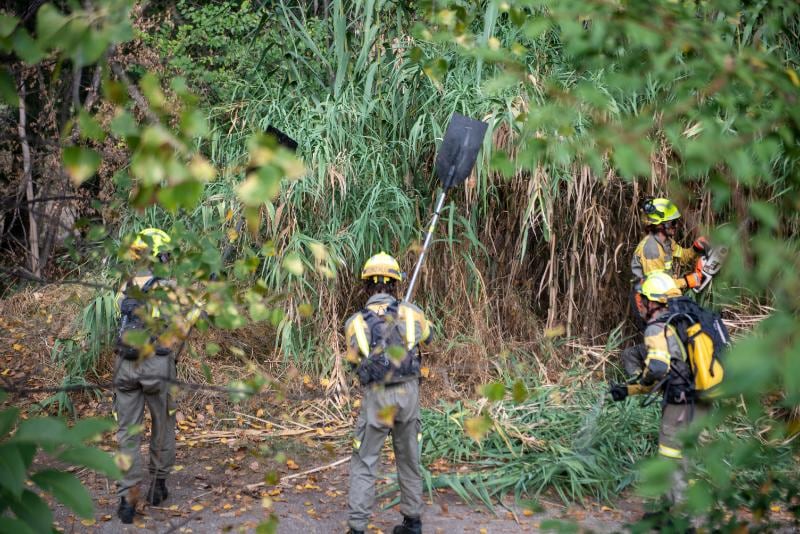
pixel 653 309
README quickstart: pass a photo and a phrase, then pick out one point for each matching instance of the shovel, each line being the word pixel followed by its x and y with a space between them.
pixel 456 158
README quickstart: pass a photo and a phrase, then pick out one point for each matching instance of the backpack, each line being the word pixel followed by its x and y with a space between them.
pixel 389 359
pixel 705 338
pixel 131 321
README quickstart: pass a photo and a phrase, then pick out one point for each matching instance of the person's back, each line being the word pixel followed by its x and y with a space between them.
pixel 382 345
pixel 387 333
pixel 665 369
pixel 143 371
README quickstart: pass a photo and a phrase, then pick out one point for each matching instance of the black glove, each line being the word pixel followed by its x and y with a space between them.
pixel 618 392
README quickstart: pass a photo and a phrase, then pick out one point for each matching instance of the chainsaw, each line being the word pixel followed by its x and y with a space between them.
pixel 709 266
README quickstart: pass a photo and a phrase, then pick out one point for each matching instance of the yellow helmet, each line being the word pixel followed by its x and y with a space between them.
pixel 151 239
pixel 381 265
pixel 659 287
pixel 660 210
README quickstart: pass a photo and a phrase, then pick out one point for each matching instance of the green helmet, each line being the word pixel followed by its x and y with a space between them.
pixel 660 210
pixel 659 287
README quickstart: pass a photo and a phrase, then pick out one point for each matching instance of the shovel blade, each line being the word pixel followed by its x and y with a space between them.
pixel 459 150
pixel 282 138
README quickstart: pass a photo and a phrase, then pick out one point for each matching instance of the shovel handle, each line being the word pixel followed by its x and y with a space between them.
pixel 418 267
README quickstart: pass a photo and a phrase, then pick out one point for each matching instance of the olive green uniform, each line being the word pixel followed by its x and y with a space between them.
pixel 664 356
pixel 139 383
pixel 390 408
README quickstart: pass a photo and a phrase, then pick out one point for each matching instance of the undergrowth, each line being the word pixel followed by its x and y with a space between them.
pixel 79 354
pixel 566 440
pixel 561 439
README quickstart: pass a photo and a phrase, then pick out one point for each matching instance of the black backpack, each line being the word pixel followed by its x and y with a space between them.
pixel 389 359
pixel 131 320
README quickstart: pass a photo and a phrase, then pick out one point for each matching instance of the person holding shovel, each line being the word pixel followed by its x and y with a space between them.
pixel 382 344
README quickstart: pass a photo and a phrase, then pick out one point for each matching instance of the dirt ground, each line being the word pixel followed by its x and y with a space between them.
pixel 222 451
pixel 209 493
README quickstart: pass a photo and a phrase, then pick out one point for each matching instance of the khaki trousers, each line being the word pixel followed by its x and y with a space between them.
pixel 392 408
pixel 140 383
pixel 674 419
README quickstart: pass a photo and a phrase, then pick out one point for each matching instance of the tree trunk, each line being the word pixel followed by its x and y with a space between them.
pixel 27 177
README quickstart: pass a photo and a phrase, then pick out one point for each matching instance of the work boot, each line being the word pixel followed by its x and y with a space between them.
pixel 126 511
pixel 158 492
pixel 411 525
pixel 664 521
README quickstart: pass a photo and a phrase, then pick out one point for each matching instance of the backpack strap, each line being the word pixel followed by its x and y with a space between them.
pixel 411 329
pixel 360 328
pixel 150 283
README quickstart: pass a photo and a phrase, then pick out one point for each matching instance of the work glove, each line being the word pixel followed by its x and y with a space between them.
pixel 693 280
pixel 696 278
pixel 618 391
pixel 701 245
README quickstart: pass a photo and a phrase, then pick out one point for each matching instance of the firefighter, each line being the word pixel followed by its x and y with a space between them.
pixel 142 378
pixel 383 345
pixel 665 369
pixel 656 252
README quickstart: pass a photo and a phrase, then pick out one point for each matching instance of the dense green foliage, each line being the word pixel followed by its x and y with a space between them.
pixel 20 441
pixel 590 105
pixel 559 439
pixel 713 87
pixel 569 441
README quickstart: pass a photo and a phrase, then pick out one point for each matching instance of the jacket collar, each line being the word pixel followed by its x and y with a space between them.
pixel 380 299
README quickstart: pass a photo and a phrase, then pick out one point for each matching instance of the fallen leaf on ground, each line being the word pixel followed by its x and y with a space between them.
pixel 386 415
pixel 197 507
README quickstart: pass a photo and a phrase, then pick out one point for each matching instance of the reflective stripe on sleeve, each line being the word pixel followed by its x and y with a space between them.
pixel 660 355
pixel 669 452
pixel 361 336
pixel 411 329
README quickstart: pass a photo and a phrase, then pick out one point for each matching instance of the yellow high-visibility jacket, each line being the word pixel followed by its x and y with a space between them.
pixel 414 326
pixel 653 255
pixel 663 345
